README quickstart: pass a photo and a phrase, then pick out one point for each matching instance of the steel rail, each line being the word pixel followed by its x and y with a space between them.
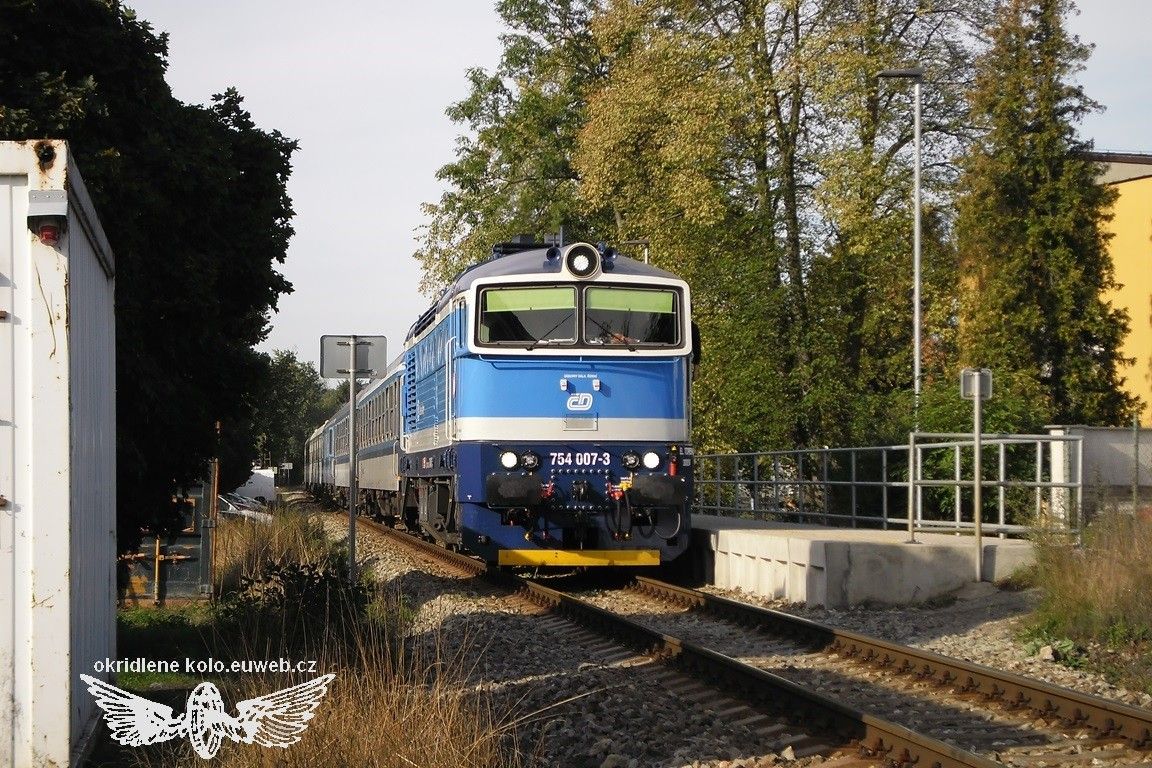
pixel 875 737
pixel 1106 717
pixel 435 551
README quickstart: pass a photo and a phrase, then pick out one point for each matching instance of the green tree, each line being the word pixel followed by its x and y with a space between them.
pixel 754 145
pixel 513 172
pixel 694 141
pixel 754 148
pixel 291 406
pixel 193 200
pixel 1031 243
pixel 862 129
pixel 334 399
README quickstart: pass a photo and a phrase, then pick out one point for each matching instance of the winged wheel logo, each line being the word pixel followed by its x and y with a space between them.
pixel 274 720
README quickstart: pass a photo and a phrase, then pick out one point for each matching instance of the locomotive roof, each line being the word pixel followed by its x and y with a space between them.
pixel 531 262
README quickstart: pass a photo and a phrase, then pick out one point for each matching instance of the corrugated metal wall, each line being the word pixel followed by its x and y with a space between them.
pixel 44 514
pixel 92 393
pixel 12 190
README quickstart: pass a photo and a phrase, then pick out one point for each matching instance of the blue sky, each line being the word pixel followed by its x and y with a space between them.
pixel 363 85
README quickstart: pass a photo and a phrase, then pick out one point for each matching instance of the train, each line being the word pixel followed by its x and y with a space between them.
pixel 538 415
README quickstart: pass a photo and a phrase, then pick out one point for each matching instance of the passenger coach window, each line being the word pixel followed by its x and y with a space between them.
pixel 630 316
pixel 532 315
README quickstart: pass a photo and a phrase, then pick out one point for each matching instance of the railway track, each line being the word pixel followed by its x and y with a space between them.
pixel 857 700
pixel 1005 717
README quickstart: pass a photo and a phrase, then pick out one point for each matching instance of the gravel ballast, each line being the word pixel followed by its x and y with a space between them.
pixel 578 700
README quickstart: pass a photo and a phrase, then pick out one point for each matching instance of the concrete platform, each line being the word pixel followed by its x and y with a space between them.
pixel 843 567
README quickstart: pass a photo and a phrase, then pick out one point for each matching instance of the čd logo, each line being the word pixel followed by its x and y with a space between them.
pixel 581 401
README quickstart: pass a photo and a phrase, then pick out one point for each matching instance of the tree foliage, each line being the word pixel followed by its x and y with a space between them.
pixel 194 203
pixel 1032 248
pixel 669 148
pixel 294 402
pixel 752 145
pixel 513 171
pixel 754 149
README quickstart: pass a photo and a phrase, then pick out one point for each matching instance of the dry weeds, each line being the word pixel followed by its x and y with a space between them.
pixel 388 706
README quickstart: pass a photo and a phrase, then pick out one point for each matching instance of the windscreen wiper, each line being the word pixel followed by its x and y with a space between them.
pixel 547 333
pixel 619 337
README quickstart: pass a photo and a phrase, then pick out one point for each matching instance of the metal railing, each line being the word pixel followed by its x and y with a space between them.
pixel 1034 480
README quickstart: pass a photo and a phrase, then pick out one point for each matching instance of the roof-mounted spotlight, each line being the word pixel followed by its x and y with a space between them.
pixel 582 260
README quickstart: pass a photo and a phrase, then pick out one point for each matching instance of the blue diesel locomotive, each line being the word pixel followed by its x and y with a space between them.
pixel 539 414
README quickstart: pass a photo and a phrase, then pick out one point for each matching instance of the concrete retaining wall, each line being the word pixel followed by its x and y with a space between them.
pixel 840 568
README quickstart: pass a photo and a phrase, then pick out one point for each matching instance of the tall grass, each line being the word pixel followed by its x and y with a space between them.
pixel 390 705
pixel 385 708
pixel 242 546
pixel 1100 594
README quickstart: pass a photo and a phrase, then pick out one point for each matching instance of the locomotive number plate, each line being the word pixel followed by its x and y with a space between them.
pixel 580 459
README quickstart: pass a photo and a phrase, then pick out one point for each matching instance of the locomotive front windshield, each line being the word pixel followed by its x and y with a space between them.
pixel 608 315
pixel 630 316
pixel 536 315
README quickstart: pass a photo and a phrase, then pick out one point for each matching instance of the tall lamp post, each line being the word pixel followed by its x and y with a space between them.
pixel 916 75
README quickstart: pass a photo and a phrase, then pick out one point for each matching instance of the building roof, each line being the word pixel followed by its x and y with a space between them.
pixel 1122 166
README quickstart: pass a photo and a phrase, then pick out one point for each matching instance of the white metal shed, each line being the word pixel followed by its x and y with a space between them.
pixel 57 454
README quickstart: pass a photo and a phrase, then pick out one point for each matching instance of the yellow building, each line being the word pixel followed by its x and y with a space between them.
pixel 1131 251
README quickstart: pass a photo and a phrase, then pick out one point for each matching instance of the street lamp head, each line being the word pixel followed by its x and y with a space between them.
pixel 909 73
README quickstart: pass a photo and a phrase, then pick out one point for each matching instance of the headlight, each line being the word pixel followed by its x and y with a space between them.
pixel 582 260
pixel 630 460
pixel 509 460
pixel 530 461
pixel 651 460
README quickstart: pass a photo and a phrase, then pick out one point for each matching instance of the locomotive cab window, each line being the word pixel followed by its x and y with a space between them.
pixel 631 316
pixel 534 315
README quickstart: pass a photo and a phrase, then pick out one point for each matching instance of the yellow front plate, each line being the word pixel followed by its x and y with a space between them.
pixel 579 557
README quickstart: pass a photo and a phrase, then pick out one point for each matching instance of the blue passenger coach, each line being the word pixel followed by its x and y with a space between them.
pixel 539 414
